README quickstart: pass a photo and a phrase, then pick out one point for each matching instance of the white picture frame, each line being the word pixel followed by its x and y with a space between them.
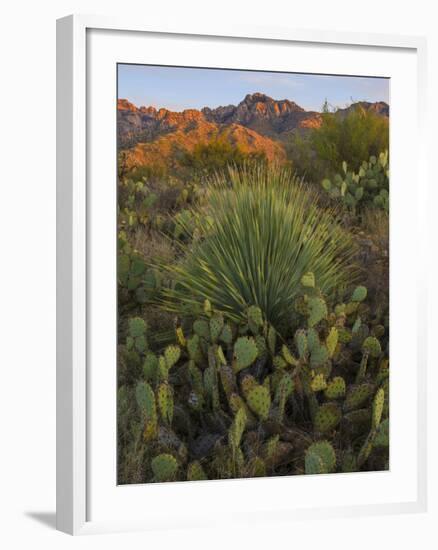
pixel 76 240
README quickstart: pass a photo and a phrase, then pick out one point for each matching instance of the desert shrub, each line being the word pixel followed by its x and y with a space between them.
pixel 349 137
pixel 229 399
pixel 215 156
pixel 257 235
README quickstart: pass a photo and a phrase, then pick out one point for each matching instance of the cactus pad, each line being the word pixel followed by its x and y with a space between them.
pixel 357 396
pixel 164 467
pixel 136 327
pixel 359 294
pixel 332 341
pixel 378 402
pixel 201 328
pixel 165 402
pixel 335 388
pixel 324 452
pixel 255 318
pixel 288 357
pixel 237 428
pixel 301 343
pixel 308 280
pixel 318 356
pixel 195 472
pixel 327 417
pixel 150 367
pixel 372 346
pixel 171 355
pixel 272 339
pixel 146 402
pixel 318 383
pixel 382 435
pixel 245 353
pixel 317 311
pixel 259 401
pixel 226 335
pixel 216 326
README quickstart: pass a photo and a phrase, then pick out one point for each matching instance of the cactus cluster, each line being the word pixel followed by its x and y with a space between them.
pixel 234 399
pixel 368 186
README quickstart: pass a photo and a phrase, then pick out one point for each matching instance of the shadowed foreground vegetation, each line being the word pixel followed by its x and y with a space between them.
pixel 253 309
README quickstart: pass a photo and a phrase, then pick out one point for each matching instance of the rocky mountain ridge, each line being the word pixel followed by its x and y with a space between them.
pixel 258 112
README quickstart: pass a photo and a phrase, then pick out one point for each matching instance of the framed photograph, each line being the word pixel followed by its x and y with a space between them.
pixel 240 325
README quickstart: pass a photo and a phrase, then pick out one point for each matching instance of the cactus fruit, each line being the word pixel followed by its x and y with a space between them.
pixel 195 472
pixel 259 401
pixel 327 417
pixel 357 396
pixel 320 458
pixel 164 467
pixel 359 294
pixel 245 353
pixel 317 311
pixel 335 388
pixel 165 402
pixel 372 346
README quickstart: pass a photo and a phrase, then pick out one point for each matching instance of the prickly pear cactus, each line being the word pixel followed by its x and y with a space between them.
pixel 231 399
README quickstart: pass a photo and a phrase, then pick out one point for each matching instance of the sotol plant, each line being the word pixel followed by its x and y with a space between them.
pixel 260 232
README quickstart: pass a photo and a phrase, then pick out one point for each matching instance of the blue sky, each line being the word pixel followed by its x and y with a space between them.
pixel 179 88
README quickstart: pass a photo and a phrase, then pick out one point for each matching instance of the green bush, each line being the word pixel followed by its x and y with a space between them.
pixel 215 156
pixel 350 137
